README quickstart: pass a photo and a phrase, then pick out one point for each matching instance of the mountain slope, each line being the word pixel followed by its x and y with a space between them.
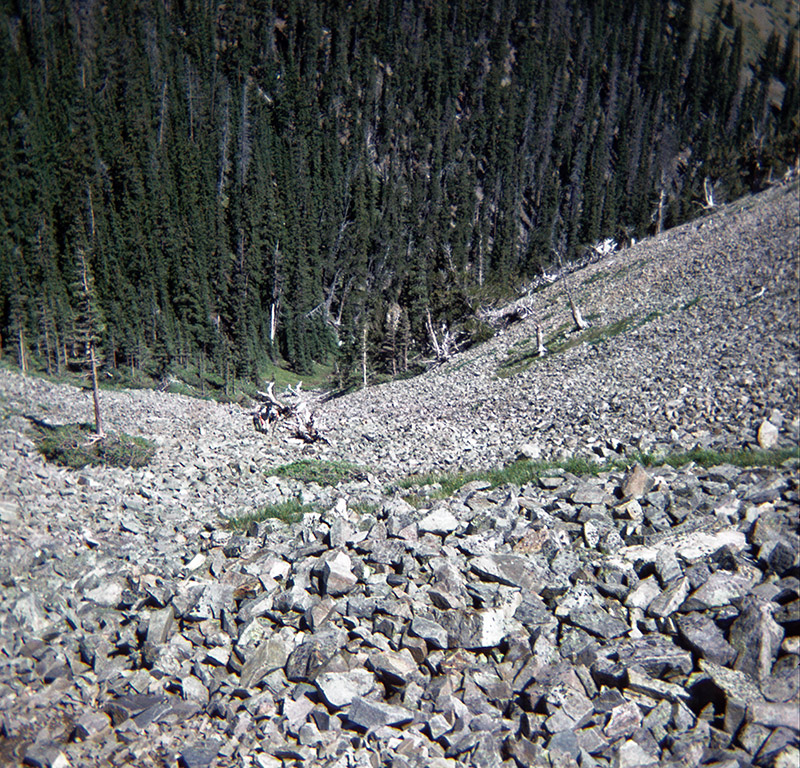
pixel 135 629
pixel 708 347
pixel 694 341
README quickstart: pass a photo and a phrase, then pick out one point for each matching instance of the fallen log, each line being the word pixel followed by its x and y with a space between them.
pixel 305 426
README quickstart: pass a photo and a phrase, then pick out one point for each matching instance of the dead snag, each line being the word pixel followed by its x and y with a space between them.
pixel 580 323
pixel 274 412
pixel 540 341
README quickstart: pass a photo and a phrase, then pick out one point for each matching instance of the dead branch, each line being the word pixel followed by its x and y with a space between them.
pixel 297 416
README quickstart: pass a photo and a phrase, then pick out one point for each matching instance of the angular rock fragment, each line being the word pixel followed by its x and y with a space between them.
pixel 598 621
pixel 757 637
pixel 340 688
pixel 338 577
pixel 367 714
pixel 705 638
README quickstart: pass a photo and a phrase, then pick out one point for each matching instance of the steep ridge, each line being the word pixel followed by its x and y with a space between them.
pixel 647 617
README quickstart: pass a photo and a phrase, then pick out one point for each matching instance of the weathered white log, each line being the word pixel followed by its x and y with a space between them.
pixel 275 412
pixel 540 341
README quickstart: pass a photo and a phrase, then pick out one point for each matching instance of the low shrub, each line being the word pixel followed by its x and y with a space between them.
pixel 76 446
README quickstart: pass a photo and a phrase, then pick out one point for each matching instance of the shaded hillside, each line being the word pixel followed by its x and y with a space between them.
pixel 307 181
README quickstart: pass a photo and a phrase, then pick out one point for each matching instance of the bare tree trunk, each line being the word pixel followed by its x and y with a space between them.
pixel 273 322
pixel 405 330
pixel 580 323
pixel 274 307
pixel 708 193
pixel 23 363
pixel 223 148
pixel 364 356
pixel 90 341
pixel 432 334
pixel 660 213
pixel 393 321
pixel 98 424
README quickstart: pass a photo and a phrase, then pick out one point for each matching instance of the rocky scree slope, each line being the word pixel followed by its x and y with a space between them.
pixel 710 348
pixel 648 617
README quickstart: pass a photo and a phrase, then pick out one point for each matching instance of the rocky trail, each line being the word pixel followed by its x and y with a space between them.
pixel 637 617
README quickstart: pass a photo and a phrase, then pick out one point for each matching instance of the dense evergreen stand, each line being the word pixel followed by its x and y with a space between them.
pixel 312 181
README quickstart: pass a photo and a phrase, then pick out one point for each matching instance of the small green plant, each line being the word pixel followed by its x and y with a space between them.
pixel 76 446
pixel 288 512
pixel 320 472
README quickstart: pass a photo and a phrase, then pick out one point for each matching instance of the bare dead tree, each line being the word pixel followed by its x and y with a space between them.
pixel 364 332
pixel 708 193
pixel 298 416
pixel 542 349
pixel 580 323
pixel 393 322
pixel 89 335
pixel 443 343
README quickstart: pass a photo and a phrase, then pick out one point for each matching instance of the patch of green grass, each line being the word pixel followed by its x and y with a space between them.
pixel 740 458
pixel 320 472
pixel 595 278
pixel 523 342
pixel 526 471
pixel 288 512
pixel 364 507
pixel 561 341
pixel 458 366
pixel 518 472
pixel 76 446
pixel 693 303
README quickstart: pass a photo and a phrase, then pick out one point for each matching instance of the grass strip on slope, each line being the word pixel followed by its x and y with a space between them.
pixel 526 471
pixel 320 472
pixel 291 511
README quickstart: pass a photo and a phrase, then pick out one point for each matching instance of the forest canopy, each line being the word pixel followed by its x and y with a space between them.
pixel 308 181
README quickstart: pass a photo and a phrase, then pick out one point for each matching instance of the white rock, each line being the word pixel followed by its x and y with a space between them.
pixel 767 435
pixel 441 521
pixel 337 574
pixel 340 688
pixel 530 451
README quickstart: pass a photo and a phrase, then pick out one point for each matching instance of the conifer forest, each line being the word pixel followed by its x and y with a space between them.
pixel 216 187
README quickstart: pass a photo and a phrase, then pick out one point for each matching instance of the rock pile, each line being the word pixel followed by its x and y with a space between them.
pixel 647 617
